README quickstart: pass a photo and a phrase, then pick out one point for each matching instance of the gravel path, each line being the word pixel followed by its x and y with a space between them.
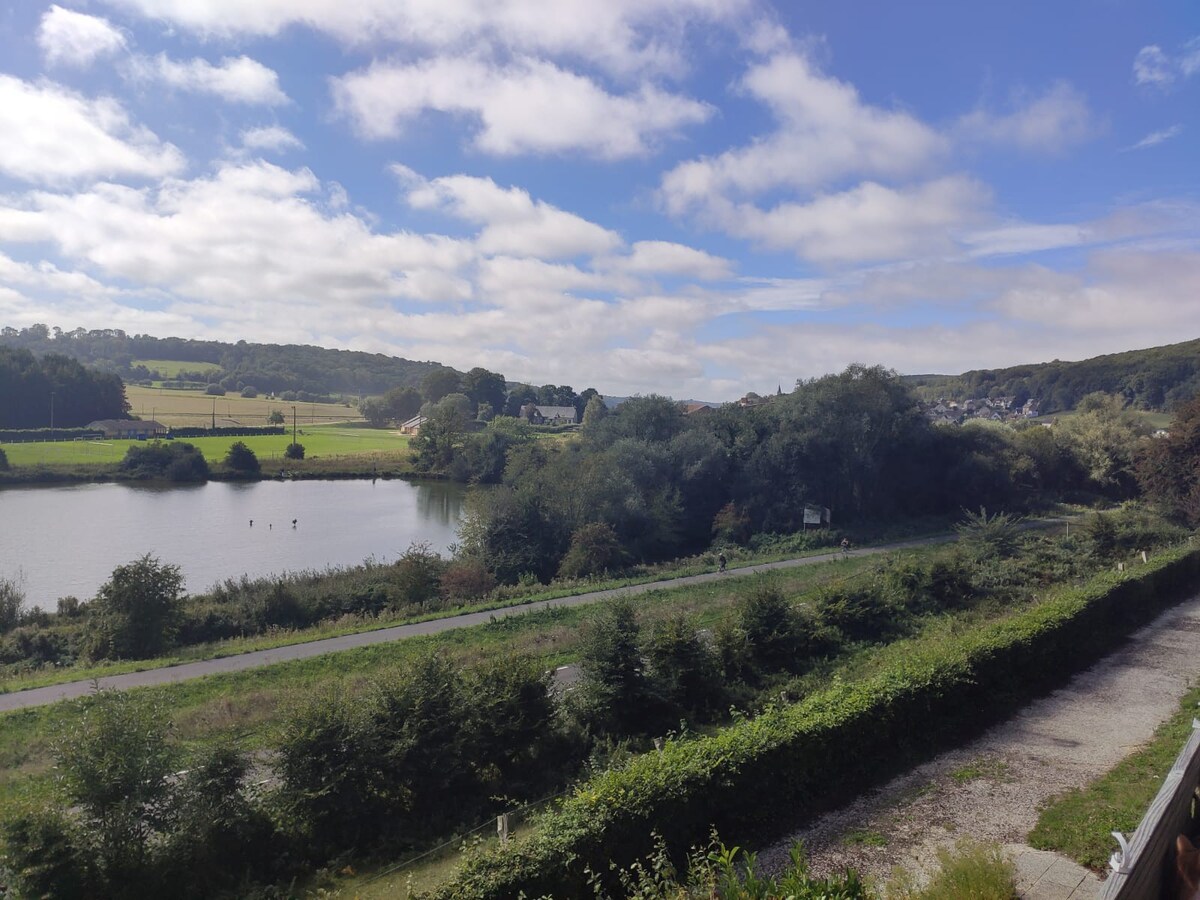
pixel 167 675
pixel 991 790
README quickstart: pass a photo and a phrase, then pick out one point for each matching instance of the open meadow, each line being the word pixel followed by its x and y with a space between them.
pixel 178 409
pixel 320 442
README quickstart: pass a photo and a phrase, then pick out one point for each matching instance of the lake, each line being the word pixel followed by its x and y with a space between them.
pixel 66 540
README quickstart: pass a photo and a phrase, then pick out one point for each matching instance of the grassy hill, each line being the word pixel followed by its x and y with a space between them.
pixel 1154 379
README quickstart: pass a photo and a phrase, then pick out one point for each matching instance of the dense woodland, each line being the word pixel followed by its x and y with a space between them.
pixel 33 390
pixel 268 367
pixel 1154 379
pixel 647 482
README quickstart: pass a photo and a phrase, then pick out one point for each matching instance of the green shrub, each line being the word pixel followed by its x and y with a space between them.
pixel 241 458
pixel 3 460
pixel 594 549
pixel 794 760
pixel 175 460
pixel 44 856
pixel 137 611
pixel 684 669
pixel 294 451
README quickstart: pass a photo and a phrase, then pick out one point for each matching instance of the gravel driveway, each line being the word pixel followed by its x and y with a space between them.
pixel 992 788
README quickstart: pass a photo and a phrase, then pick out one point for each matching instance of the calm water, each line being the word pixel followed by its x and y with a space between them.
pixel 66 540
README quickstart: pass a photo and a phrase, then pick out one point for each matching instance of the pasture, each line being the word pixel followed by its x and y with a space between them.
pixel 320 441
pixel 178 409
pixel 170 368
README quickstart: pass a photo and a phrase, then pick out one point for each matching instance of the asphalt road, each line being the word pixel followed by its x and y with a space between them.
pixel 187 671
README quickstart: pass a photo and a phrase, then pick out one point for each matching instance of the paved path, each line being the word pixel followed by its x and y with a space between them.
pixel 991 789
pixel 186 671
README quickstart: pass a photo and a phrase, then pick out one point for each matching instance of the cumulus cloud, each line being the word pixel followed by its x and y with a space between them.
pixel 870 222
pixel 70 38
pixel 249 234
pixel 270 137
pixel 622 36
pixel 65 136
pixel 235 79
pixel 1051 122
pixel 528 106
pixel 825 133
pixel 513 223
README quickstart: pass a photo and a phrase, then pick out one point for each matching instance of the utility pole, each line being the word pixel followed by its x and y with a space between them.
pixel 214 414
pixel 52 415
pixel 293 424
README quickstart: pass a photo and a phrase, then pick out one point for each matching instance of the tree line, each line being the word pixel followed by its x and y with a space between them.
pixel 33 389
pixel 647 482
pixel 271 368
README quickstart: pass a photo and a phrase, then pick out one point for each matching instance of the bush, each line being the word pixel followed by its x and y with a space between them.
pixel 12 604
pixel 136 613
pixel 684 669
pixel 44 856
pixel 595 548
pixel 175 460
pixel 417 574
pixel 294 451
pixel 249 391
pixel 466 579
pixel 772 629
pixel 214 390
pixel 241 458
pixel 3 461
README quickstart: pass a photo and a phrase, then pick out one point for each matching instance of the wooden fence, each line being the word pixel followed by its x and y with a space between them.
pixel 1145 863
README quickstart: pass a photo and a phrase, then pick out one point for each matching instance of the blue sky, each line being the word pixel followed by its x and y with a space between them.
pixel 696 197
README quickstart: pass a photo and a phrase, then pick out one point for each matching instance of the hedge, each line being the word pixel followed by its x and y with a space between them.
pixel 15 435
pixel 793 762
pixel 227 432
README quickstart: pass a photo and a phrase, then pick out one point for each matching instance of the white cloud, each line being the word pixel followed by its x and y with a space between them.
pixel 622 36
pixel 1154 138
pixel 1159 69
pixel 71 38
pixel 1049 123
pixel 1024 237
pixel 1151 66
pixel 666 258
pixel 270 137
pixel 513 222
pixel 528 106
pixel 870 222
pixel 825 133
pixel 248 240
pixel 236 79
pixel 66 137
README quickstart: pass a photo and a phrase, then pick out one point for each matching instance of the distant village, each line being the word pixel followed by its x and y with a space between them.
pixel 996 409
pixel 952 412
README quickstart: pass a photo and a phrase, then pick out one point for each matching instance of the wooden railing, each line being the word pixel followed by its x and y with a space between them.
pixel 1146 861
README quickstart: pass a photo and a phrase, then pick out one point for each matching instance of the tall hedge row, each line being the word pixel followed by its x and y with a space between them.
pixel 795 761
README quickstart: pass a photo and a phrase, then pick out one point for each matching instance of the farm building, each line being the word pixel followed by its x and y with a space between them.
pixel 128 428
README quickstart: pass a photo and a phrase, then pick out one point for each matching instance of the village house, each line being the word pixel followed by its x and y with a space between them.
pixel 549 415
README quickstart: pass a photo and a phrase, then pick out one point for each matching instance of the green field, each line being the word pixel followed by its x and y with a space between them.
pixel 320 441
pixel 170 368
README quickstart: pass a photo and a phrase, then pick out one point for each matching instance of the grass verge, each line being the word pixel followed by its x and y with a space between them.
pixel 1079 823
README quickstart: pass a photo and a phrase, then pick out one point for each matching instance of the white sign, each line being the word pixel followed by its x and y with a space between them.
pixel 812 515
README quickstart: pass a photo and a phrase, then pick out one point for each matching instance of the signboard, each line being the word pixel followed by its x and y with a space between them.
pixel 812 515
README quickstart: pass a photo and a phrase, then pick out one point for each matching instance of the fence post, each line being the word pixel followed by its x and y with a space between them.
pixel 502 828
